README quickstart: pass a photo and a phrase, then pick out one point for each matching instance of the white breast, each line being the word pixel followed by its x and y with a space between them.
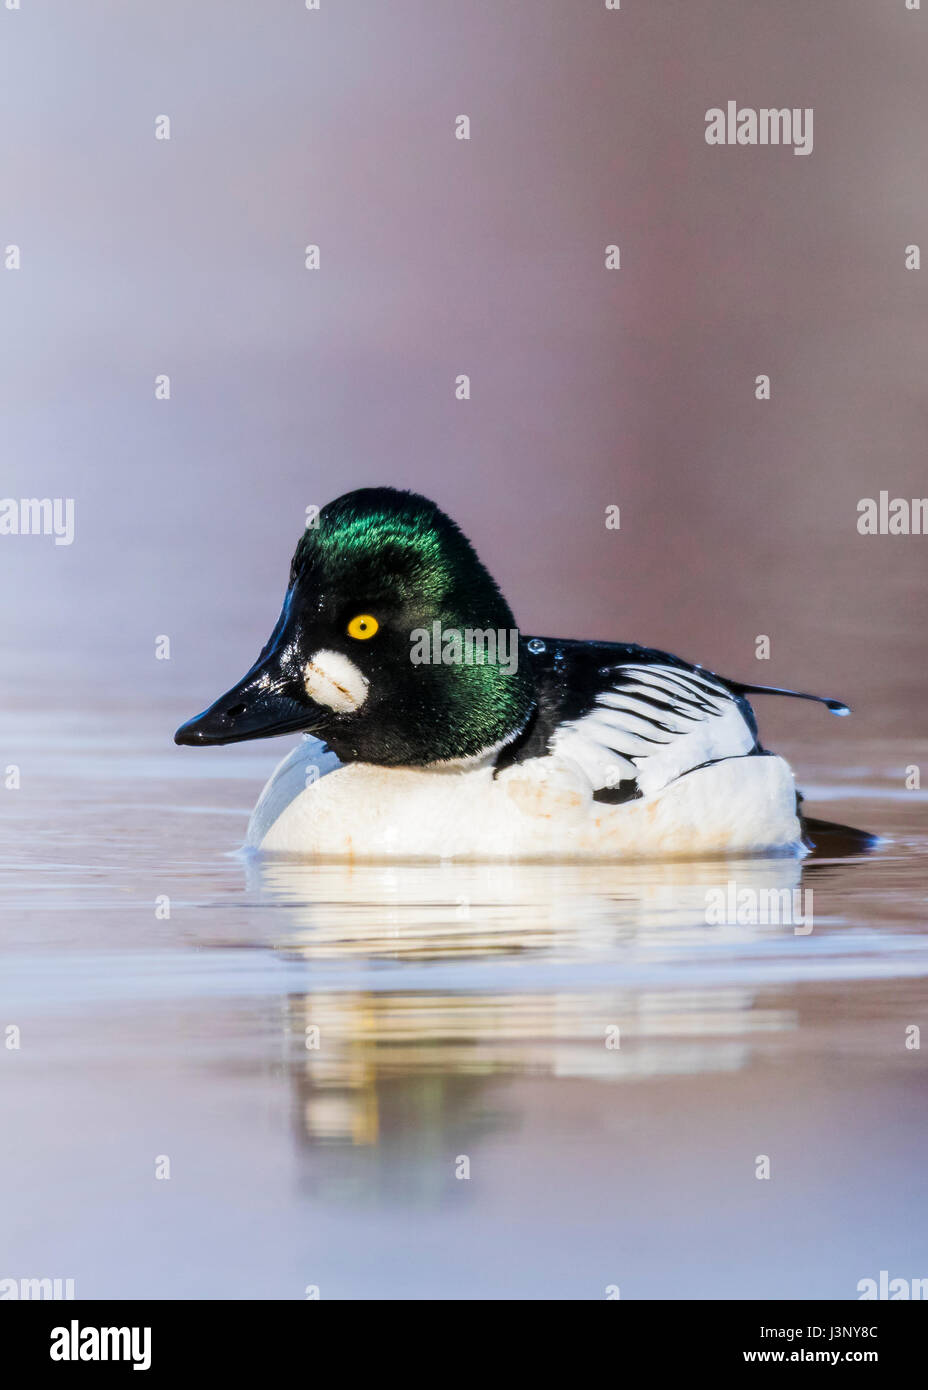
pixel 541 809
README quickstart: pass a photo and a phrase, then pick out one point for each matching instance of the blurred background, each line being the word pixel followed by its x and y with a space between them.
pixel 463 1009
pixel 439 257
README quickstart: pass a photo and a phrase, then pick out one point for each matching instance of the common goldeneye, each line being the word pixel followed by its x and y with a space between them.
pixel 436 729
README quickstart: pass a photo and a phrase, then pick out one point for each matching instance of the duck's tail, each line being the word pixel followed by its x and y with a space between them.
pixel 836 706
pixel 828 840
pixel 824 838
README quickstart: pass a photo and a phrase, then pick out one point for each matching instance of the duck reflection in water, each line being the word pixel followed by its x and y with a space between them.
pixel 418 1016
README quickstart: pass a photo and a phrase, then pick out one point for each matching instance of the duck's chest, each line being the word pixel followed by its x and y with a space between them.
pixel 314 807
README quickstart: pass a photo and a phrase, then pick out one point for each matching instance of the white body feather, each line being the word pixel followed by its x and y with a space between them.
pixel 539 809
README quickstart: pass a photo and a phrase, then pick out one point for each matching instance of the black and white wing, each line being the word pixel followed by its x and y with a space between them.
pixel 633 720
pixel 652 724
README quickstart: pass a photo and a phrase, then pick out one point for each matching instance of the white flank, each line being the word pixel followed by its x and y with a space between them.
pixel 541 809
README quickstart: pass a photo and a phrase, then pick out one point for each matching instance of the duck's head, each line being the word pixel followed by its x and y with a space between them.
pixel 348 659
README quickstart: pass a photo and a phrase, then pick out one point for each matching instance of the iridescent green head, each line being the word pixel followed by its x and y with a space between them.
pixel 394 643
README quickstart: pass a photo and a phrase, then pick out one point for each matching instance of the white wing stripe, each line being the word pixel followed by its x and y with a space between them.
pixel 622 735
pixel 674 687
pixel 684 680
pixel 660 717
pixel 627 737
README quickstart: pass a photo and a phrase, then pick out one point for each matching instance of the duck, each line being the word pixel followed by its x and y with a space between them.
pixel 433 728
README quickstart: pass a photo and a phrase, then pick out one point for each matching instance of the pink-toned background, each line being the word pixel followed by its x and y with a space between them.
pixel 463 1007
pixel 439 257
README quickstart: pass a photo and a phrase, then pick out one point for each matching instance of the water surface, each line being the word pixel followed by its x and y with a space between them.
pixel 461 1013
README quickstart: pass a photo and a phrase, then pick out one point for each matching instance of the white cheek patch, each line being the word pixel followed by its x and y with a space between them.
pixel 332 680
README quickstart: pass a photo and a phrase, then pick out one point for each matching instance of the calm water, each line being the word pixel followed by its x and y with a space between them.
pixel 462 1012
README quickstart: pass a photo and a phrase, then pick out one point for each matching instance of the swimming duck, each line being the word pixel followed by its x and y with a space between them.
pixel 434 728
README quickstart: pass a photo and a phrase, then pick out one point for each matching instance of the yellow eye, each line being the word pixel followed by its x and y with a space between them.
pixel 362 627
